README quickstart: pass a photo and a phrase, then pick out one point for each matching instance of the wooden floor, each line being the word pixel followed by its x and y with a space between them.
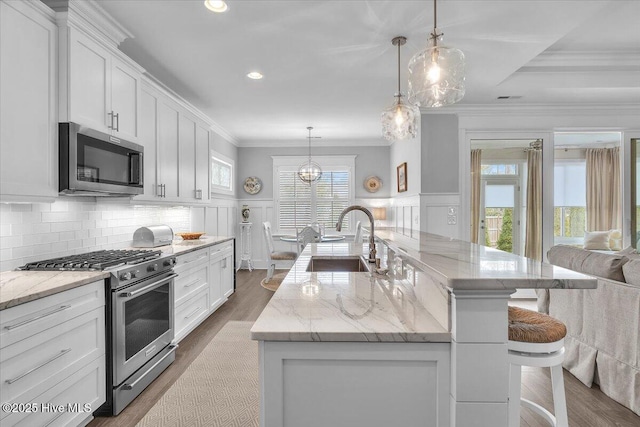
pixel 587 407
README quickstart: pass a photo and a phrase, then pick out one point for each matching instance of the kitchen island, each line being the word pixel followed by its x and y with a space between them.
pixel 424 344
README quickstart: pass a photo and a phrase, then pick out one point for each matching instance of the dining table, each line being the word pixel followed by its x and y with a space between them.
pixel 325 238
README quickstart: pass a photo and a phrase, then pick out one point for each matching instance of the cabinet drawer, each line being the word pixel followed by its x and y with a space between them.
pixel 221 250
pixel 189 282
pixel 43 360
pixel 191 260
pixel 25 320
pixel 191 313
pixel 79 396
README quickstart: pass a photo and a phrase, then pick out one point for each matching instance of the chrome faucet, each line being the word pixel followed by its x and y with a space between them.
pixel 372 242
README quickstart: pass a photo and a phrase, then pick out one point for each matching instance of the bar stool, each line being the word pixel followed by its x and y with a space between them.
pixel 536 339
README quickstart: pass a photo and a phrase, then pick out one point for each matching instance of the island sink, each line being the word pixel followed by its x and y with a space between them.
pixel 348 263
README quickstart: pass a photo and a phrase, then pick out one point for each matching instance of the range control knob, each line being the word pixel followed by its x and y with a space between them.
pixel 126 276
pixel 169 262
pixel 153 267
pixel 135 273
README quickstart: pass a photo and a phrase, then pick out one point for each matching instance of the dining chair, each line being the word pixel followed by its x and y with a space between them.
pixel 272 254
pixel 358 236
pixel 305 236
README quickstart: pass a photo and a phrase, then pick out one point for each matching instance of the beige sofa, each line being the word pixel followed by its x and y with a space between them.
pixel 603 324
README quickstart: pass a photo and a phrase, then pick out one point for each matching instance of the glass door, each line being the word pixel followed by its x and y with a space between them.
pixel 500 214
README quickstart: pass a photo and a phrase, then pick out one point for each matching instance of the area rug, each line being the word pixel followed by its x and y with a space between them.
pixel 274 283
pixel 219 389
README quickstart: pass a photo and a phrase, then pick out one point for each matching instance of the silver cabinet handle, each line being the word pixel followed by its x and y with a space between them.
pixel 117 117
pixel 19 377
pixel 197 259
pixel 148 287
pixel 192 283
pixel 164 190
pixel 224 263
pixel 159 192
pixel 193 312
pixel 199 194
pixel 110 114
pixel 33 319
pixel 133 384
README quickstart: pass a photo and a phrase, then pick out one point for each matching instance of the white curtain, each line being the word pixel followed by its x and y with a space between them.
pixel 476 173
pixel 533 235
pixel 603 189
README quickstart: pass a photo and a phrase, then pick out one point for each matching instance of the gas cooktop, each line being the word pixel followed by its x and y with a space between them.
pixel 93 261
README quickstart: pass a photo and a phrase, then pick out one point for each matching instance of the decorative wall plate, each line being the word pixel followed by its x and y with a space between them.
pixel 252 185
pixel 372 184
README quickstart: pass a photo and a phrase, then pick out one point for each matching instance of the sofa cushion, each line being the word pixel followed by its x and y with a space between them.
pixel 598 264
pixel 598 240
pixel 631 271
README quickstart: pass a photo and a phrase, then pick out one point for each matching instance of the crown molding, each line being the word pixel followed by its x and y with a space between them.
pixel 609 59
pixel 157 85
pixel 89 17
pixel 535 110
pixel 41 8
pixel 277 143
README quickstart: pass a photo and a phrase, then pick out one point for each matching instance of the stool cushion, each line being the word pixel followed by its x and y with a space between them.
pixel 284 255
pixel 534 327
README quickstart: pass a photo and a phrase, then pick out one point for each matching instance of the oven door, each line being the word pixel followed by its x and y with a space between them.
pixel 142 323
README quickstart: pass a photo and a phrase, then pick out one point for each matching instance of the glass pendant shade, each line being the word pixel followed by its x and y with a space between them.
pixel 310 171
pixel 400 121
pixel 436 76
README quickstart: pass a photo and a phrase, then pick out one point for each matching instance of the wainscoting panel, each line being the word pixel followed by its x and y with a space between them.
pixel 441 214
pixel 405 215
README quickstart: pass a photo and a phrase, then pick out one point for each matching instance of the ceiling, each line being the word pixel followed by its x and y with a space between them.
pixel 331 64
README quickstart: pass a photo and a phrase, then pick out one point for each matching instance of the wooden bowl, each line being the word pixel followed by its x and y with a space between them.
pixel 190 236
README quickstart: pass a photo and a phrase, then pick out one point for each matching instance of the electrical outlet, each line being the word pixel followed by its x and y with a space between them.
pixel 452 219
pixel 452 210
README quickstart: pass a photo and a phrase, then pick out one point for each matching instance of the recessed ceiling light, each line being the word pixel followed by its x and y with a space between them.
pixel 255 75
pixel 217 6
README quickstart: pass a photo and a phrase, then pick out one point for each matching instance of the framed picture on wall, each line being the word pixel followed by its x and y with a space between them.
pixel 402 177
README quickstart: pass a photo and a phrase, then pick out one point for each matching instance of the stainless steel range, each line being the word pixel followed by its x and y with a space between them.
pixel 139 317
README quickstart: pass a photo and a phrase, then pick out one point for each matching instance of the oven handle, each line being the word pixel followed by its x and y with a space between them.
pixel 128 386
pixel 148 287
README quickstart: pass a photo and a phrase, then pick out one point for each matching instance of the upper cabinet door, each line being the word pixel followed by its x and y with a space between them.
pixel 187 165
pixel 202 163
pixel 89 95
pixel 125 96
pixel 167 148
pixel 148 139
pixel 98 88
pixel 28 134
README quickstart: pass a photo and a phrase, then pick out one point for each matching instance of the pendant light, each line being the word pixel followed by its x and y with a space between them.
pixel 436 74
pixel 309 171
pixel 400 121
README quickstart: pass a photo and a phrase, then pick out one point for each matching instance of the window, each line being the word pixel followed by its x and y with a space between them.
pixel 299 204
pixel 499 169
pixel 570 200
pixel 221 173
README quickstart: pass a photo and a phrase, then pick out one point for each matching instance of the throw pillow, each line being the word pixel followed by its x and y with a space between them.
pixel 631 272
pixel 615 240
pixel 596 240
pixel 608 266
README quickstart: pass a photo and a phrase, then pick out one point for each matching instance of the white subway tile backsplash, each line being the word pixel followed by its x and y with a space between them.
pixel 33 232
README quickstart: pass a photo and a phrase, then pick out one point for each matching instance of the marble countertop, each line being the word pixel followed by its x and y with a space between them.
pixel 19 287
pixel 180 247
pixel 468 266
pixel 343 306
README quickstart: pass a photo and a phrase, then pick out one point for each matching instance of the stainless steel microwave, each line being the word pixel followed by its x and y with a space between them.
pixel 93 163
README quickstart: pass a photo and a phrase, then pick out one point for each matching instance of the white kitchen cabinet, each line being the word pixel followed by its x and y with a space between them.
pixel 187 160
pixel 99 86
pixel 203 192
pixel 52 351
pixel 167 149
pixel 221 273
pixel 148 139
pixel 28 82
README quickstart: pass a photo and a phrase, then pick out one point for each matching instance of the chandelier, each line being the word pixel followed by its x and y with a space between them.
pixel 400 121
pixel 309 171
pixel 436 74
